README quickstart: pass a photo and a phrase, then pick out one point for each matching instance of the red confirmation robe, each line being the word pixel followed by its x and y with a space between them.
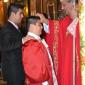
pixel 36 63
pixel 65 53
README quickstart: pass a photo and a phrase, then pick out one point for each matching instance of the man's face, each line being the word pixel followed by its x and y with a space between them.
pixel 66 6
pixel 18 16
pixel 38 28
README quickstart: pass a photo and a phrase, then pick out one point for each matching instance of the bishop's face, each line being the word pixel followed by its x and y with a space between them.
pixel 66 6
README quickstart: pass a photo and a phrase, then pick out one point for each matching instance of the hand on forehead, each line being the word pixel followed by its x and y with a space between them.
pixel 42 17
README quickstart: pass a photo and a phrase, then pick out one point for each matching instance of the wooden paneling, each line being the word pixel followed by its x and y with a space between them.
pixel 32 7
pixel 1 13
pixel 38 5
pixel 48 7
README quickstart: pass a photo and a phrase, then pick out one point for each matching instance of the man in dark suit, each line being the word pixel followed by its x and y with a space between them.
pixel 11 47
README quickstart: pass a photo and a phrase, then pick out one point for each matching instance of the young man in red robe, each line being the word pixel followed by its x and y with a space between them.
pixel 68 50
pixel 37 60
pixel 51 37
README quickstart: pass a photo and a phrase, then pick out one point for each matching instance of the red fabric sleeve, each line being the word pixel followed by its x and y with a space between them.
pixel 50 36
pixel 78 66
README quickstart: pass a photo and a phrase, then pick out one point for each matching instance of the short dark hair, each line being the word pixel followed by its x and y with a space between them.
pixel 14 7
pixel 32 20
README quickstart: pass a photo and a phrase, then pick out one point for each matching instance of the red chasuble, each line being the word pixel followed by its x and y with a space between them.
pixel 50 36
pixel 36 63
pixel 65 54
pixel 52 41
pixel 61 47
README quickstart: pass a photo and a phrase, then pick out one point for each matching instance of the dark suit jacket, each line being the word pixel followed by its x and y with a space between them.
pixel 11 52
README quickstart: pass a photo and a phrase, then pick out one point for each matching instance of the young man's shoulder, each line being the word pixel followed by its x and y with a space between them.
pixel 32 42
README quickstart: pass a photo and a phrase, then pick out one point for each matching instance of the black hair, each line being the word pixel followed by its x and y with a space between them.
pixel 14 7
pixel 32 20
